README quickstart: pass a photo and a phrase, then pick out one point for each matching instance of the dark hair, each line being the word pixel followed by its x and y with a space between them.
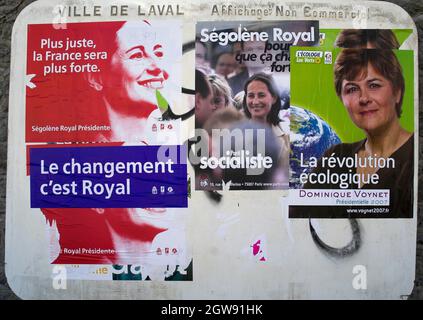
pixel 360 38
pixel 351 63
pixel 273 116
pixel 202 85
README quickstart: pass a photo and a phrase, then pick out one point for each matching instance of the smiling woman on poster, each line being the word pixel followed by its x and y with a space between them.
pixel 262 104
pixel 370 84
pixel 137 82
pixel 129 93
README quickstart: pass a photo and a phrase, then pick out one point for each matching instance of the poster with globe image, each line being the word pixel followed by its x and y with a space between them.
pixel 352 133
pixel 242 102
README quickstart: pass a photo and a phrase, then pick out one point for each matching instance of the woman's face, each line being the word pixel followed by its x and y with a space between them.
pixel 136 68
pixel 218 101
pixel 259 100
pixel 226 64
pixel 370 100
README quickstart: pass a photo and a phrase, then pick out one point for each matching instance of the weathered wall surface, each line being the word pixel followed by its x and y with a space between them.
pixel 8 12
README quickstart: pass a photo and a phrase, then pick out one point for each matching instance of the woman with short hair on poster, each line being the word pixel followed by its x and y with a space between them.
pixel 371 86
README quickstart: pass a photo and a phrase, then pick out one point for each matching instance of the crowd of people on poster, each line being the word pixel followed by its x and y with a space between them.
pixel 243 68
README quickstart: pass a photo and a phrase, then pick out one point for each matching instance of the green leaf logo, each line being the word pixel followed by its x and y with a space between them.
pixel 161 102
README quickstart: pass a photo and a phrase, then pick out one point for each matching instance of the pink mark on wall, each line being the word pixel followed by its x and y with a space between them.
pixel 257 251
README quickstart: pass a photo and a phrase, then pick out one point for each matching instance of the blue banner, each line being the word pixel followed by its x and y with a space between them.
pixel 109 177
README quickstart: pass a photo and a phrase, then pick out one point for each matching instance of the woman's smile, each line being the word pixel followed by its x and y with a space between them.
pixel 152 83
pixel 259 100
pixel 368 112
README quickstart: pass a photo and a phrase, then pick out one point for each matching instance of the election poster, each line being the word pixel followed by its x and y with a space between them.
pixel 359 164
pixel 242 102
pixel 103 82
pixel 172 150
pixel 107 168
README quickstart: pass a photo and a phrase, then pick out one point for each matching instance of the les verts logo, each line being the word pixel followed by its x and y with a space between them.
pixel 309 56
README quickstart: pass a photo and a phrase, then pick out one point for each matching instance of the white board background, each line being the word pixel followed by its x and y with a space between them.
pixel 219 233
